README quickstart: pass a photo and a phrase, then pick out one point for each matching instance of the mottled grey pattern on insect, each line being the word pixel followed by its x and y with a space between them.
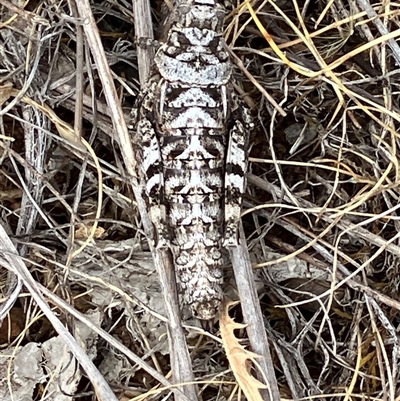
pixel 191 138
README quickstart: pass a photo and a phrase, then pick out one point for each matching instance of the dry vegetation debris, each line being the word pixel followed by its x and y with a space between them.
pixel 321 215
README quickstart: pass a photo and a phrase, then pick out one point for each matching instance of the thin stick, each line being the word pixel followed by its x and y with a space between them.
pixel 253 317
pixel 143 29
pixel 239 63
pixel 343 223
pixel 371 13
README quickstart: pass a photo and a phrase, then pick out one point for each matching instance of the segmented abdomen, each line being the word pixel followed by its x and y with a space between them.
pixel 193 157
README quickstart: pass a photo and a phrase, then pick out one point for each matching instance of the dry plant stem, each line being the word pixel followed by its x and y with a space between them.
pixel 27 15
pixel 253 317
pixel 143 29
pixel 325 267
pixel 366 31
pixel 79 76
pixel 36 142
pixel 353 283
pixel 11 260
pixel 176 337
pixel 376 312
pixel 343 223
pixel 239 63
pixel 180 361
pixel 371 13
pixel 14 287
pixel 36 146
pixel 78 113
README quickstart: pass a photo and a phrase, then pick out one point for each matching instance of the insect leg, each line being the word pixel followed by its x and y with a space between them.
pixel 235 174
pixel 151 176
pixel 235 170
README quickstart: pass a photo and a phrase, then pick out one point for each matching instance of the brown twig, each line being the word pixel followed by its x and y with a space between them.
pixel 253 317
pixel 143 29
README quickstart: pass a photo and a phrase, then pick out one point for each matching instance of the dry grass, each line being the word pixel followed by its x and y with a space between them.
pixel 321 215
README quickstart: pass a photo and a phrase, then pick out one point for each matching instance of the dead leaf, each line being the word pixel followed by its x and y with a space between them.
pixel 239 358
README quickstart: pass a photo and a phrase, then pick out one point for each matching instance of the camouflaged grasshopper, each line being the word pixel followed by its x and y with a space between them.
pixel 191 135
